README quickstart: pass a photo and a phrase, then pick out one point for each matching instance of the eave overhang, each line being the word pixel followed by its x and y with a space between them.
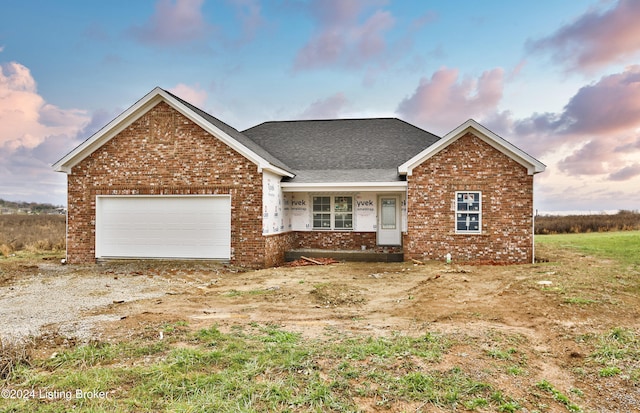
pixel 140 108
pixel 397 186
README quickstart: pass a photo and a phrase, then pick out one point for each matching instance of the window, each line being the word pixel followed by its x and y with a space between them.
pixel 388 213
pixel 322 212
pixel 333 212
pixel 468 212
pixel 343 207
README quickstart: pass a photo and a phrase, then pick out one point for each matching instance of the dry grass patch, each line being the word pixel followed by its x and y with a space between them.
pixel 13 353
pixel 32 233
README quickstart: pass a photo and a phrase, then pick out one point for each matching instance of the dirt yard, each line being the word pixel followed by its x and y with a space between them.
pixel 543 309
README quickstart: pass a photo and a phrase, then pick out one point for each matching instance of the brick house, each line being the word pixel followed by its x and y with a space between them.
pixel 167 180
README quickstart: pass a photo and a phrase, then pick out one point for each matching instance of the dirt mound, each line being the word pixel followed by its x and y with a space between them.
pixel 336 294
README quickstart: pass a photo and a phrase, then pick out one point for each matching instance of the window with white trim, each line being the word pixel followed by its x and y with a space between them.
pixel 333 212
pixel 468 212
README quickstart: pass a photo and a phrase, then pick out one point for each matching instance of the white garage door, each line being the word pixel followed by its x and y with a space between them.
pixel 163 227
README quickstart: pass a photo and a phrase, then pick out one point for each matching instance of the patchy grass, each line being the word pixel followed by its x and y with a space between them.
pixel 256 368
pixel 618 352
pixel 547 387
pixel 579 300
pixel 623 247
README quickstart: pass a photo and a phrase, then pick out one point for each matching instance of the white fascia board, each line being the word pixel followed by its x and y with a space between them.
pixel 105 134
pixel 275 170
pixel 533 165
pixel 140 108
pixel 344 186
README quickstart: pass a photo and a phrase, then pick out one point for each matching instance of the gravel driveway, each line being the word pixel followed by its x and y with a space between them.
pixel 50 293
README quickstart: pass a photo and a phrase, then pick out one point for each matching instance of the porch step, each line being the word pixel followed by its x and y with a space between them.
pixel 355 255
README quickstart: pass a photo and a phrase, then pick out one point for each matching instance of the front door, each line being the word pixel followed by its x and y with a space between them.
pixel 389 231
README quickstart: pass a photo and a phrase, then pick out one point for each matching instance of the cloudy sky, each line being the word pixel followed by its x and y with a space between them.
pixel 559 79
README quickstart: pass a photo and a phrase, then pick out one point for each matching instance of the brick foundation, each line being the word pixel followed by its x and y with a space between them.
pixel 469 164
pixel 329 240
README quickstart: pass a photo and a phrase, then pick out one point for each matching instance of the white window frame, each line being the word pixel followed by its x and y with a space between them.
pixel 468 210
pixel 333 213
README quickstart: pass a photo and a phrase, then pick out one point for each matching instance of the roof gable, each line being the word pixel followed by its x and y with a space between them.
pixel 533 165
pixel 215 127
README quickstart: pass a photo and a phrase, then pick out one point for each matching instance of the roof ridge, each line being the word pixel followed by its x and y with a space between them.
pixel 327 120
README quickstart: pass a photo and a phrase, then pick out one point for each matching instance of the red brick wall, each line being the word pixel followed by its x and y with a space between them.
pixel 507 205
pixel 165 153
pixel 275 247
pixel 328 240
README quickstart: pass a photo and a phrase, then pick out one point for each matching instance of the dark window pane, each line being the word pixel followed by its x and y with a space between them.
pixel 322 203
pixel 322 221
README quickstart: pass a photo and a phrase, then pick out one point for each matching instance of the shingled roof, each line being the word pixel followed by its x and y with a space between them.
pixel 341 150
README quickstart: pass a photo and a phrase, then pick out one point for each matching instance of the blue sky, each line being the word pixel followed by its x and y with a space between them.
pixel 561 80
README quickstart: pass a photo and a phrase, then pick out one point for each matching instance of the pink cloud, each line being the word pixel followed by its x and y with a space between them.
pixel 598 127
pixel 516 70
pixel 626 173
pixel 340 38
pixel 612 104
pixel 33 135
pixel 591 159
pixel 588 154
pixel 596 38
pixel 421 21
pixel 15 77
pixel 328 108
pixel 444 101
pixel 25 118
pixel 249 14
pixel 369 39
pixel 606 108
pixel 174 22
pixel 194 95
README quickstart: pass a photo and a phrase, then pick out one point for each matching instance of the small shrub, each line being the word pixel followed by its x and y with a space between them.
pixel 6 250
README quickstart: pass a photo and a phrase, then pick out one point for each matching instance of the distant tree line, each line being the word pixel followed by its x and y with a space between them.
pixel 574 224
pixel 12 207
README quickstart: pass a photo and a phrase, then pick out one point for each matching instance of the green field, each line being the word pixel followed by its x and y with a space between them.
pixel 623 247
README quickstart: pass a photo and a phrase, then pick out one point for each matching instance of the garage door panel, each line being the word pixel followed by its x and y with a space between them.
pixel 163 227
